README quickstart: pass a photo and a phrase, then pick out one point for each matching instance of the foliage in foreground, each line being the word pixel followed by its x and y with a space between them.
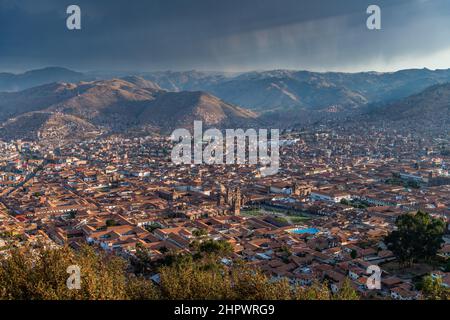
pixel 433 289
pixel 40 274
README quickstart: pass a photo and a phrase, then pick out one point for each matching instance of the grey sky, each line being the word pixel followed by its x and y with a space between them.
pixel 228 35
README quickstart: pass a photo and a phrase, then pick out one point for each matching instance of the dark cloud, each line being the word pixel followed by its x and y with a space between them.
pixel 224 35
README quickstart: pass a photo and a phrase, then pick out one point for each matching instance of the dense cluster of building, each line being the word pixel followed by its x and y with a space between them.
pixel 322 217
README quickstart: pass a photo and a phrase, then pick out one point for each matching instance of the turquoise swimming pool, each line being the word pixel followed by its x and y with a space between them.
pixel 307 230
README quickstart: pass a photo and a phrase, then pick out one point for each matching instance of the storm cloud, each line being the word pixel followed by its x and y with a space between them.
pixel 231 35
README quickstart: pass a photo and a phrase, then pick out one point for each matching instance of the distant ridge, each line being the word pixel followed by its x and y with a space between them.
pixel 114 105
pixel 17 82
pixel 433 103
pixel 281 90
pixel 287 89
pixel 279 98
pixel 172 110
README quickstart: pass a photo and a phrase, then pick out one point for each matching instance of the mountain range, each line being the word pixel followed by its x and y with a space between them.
pixel 33 78
pixel 432 104
pixel 115 105
pixel 53 98
pixel 265 90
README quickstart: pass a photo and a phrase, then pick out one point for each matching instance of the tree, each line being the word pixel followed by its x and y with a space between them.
pixel 218 247
pixel 418 237
pixel 320 291
pixel 447 266
pixel 317 291
pixel 141 289
pixel 346 292
pixel 353 254
pixel 200 233
pixel 41 274
pixel 252 284
pixel 433 289
pixel 188 280
pixel 142 259
pixel 111 223
pixel 152 227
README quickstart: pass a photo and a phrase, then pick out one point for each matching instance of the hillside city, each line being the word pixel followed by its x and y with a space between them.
pixel 323 217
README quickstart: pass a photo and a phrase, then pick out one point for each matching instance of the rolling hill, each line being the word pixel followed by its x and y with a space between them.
pixel 17 82
pixel 115 105
pixel 172 110
pixel 431 104
pixel 263 91
pixel 287 89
